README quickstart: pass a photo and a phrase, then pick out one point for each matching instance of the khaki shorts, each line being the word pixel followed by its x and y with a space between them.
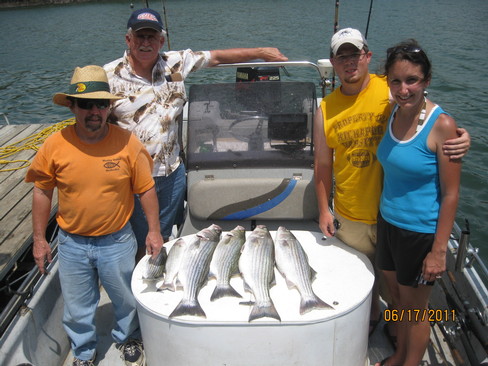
pixel 357 235
pixel 362 237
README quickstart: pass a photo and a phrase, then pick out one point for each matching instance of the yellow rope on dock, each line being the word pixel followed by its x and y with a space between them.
pixel 31 142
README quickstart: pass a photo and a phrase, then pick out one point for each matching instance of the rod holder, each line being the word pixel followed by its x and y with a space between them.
pixel 462 248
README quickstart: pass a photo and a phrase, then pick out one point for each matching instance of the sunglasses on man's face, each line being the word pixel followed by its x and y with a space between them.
pixel 90 103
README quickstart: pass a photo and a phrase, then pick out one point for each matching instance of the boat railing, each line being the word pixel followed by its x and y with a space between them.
pixel 20 295
pixel 462 249
pixel 470 263
pixel 21 287
pixel 467 255
pixel 323 67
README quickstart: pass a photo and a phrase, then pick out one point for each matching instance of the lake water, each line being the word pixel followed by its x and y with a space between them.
pixel 40 47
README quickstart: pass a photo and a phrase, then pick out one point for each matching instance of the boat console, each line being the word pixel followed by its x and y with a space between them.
pixel 249 155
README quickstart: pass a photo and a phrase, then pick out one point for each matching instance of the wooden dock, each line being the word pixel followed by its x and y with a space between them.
pixel 15 194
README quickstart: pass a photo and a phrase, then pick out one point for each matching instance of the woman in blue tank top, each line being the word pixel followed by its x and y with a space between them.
pixel 419 199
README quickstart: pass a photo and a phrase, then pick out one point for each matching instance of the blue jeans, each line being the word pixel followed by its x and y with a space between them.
pixel 83 262
pixel 171 192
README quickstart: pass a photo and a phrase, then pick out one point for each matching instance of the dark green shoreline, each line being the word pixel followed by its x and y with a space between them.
pixel 25 3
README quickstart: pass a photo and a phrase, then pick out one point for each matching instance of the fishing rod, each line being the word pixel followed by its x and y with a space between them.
pixel 369 17
pixel 166 24
pixel 336 26
pixel 451 343
pixel 146 3
pixel 478 328
pixel 467 322
pixel 336 17
pixel 458 331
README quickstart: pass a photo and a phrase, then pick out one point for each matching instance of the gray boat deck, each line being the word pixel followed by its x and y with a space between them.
pixel 16 235
pixel 379 347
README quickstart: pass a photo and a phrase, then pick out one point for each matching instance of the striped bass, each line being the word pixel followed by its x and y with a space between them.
pixel 225 262
pixel 173 265
pixel 155 266
pixel 194 268
pixel 257 269
pixel 292 262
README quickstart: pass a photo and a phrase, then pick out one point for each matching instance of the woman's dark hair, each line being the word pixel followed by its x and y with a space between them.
pixel 411 51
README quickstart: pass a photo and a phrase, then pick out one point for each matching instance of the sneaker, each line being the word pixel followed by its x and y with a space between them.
pixel 78 362
pixel 132 352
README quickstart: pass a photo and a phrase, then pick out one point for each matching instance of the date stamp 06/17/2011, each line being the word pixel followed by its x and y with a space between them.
pixel 419 315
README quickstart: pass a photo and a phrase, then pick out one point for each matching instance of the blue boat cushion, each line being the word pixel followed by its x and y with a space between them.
pixel 253 198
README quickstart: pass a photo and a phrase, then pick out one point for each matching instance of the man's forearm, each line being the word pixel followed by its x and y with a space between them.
pixel 233 55
pixel 149 203
pixel 41 210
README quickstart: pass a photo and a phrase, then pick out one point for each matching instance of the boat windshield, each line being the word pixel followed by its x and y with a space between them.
pixel 250 124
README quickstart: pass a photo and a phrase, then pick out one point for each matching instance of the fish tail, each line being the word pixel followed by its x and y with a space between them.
pixel 153 276
pixel 186 307
pixel 167 286
pixel 222 291
pixel 153 272
pixel 268 311
pixel 312 303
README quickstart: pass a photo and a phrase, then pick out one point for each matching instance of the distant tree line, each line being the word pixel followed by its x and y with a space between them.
pixel 22 3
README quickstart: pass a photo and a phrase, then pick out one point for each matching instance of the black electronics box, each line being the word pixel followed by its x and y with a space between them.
pixel 268 73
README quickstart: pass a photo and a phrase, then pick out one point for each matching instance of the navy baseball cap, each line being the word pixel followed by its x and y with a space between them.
pixel 145 18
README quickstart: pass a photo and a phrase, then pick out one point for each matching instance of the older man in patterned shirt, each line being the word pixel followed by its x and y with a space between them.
pixel 153 91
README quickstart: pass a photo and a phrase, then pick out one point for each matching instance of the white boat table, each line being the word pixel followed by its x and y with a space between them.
pixel 336 336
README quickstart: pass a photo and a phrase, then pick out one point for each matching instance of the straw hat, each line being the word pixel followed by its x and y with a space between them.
pixel 89 82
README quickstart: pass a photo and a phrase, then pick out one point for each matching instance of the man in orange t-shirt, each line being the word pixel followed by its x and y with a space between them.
pixel 97 168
